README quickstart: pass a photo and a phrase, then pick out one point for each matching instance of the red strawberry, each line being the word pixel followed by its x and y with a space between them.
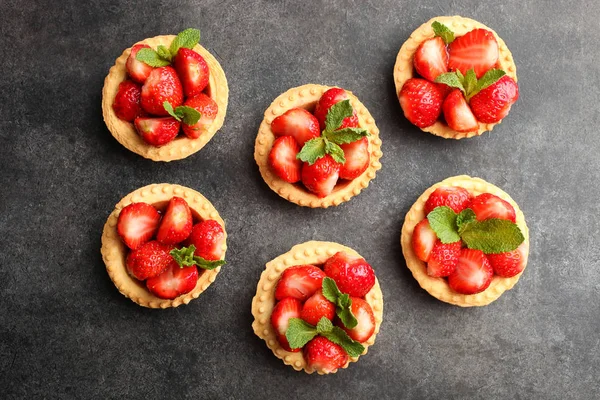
pixel 282 312
pixel 176 224
pixel 423 240
pixel 317 307
pixel 208 109
pixel 510 263
pixel 431 58
pixel 208 237
pixel 458 114
pixel 421 102
pixel 299 282
pixel 454 197
pixel 443 259
pixel 493 103
pixel 357 158
pixel 173 282
pixel 353 275
pixel 137 224
pixel 157 131
pixel 487 205
pixel 283 161
pixel 366 320
pixel 149 260
pixel 476 50
pixel 192 70
pixel 127 101
pixel 137 70
pixel 324 355
pixel 298 123
pixel 444 89
pixel 329 98
pixel 321 177
pixel 473 273
pixel 162 85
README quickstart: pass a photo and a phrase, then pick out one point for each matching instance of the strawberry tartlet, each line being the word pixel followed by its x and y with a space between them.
pixel 318 146
pixel 165 97
pixel 163 245
pixel 465 241
pixel 318 307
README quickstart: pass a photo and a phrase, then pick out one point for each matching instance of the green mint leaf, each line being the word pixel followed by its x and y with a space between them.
pixel 443 222
pixel 324 326
pixel 492 236
pixel 340 337
pixel 346 135
pixel 330 290
pixel 312 150
pixel 189 115
pixel 299 333
pixel 164 53
pixel 186 39
pixel 335 151
pixel 451 79
pixel 460 76
pixel 151 58
pixel 336 115
pixel 489 78
pixel 443 31
pixel 207 264
pixel 173 113
pixel 342 302
pixel 470 82
pixel 185 258
pixel 463 219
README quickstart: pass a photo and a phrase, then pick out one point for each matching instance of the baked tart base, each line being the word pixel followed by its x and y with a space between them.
pixel 306 97
pixel 114 252
pixel 404 70
pixel 315 253
pixel 438 287
pixel 181 146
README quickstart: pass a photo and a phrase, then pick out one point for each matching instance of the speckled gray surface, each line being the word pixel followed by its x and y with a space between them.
pixel 66 332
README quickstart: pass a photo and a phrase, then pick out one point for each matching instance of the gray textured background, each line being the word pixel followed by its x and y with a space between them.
pixel 66 332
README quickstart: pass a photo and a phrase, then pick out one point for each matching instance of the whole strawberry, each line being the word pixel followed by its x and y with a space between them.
pixel 149 260
pixel 162 85
pixel 510 263
pixel 208 237
pixel 493 103
pixel 421 101
pixel 443 259
pixel 317 307
pixel 353 275
pixel 328 99
pixel 324 355
pixel 456 198
pixel 127 101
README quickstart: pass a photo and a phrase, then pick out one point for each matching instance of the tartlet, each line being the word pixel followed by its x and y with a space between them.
pixel 438 287
pixel 403 69
pixel 306 97
pixel 315 253
pixel 114 251
pixel 181 147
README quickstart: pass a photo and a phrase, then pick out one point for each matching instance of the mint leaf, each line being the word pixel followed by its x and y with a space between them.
pixel 335 151
pixel 169 108
pixel 443 222
pixel 151 58
pixel 460 76
pixel 189 115
pixel 330 290
pixel 336 115
pixel 451 79
pixel 443 31
pixel 465 217
pixel 324 325
pixel 346 135
pixel 489 78
pixel 492 236
pixel 341 300
pixel 186 39
pixel 185 258
pixel 299 333
pixel 470 82
pixel 164 53
pixel 340 337
pixel 312 150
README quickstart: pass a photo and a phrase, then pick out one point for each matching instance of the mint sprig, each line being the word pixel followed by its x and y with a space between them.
pixel 185 114
pixel 469 84
pixel 443 31
pixel 152 58
pixel 341 301
pixel 442 221
pixel 300 332
pixel 188 39
pixel 164 56
pixel 185 258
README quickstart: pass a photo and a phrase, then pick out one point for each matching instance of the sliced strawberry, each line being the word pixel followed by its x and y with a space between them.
pixel 298 123
pixel 458 114
pixel 322 176
pixel 176 224
pixel 421 102
pixel 208 237
pixel 510 263
pixel 444 89
pixel 299 282
pixel 208 109
pixel 473 273
pixel 137 224
pixel 366 320
pixel 127 101
pixel 493 103
pixel 476 50
pixel 173 282
pixel 357 158
pixel 443 259
pixel 328 99
pixel 157 131
pixel 162 85
pixel 317 307
pixel 283 161
pixel 454 197
pixel 323 355
pixel 149 260
pixel 431 58
pixel 487 205
pixel 137 70
pixel 192 70
pixel 423 239
pixel 353 275
pixel 282 312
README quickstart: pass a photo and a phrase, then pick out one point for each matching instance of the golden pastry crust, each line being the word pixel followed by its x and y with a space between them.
pixel 307 96
pixel 114 251
pixel 312 252
pixel 403 69
pixel 181 146
pixel 438 287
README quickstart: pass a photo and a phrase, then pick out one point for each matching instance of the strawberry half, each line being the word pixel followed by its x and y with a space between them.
pixel 283 161
pixel 127 101
pixel 322 176
pixel 353 275
pixel 487 205
pixel 137 224
pixel 456 198
pixel 423 240
pixel 458 114
pixel 149 260
pixel 192 70
pixel 324 355
pixel 208 109
pixel 443 259
pixel 298 123
pixel 473 273
pixel 510 263
pixel 493 103
pixel 173 282
pixel 176 224
pixel 138 70
pixel 357 159
pixel 421 101
pixel 366 320
pixel 328 99
pixel 477 49
pixel 317 307
pixel 162 85
pixel 431 58
pixel 280 319
pixel 208 237
pixel 157 131
pixel 299 282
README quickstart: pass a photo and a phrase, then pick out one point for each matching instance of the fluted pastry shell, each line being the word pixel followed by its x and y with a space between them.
pixel 114 251
pixel 314 253
pixel 403 69
pixel 438 287
pixel 182 146
pixel 307 96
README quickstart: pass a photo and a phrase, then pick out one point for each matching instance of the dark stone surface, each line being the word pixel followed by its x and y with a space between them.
pixel 66 332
